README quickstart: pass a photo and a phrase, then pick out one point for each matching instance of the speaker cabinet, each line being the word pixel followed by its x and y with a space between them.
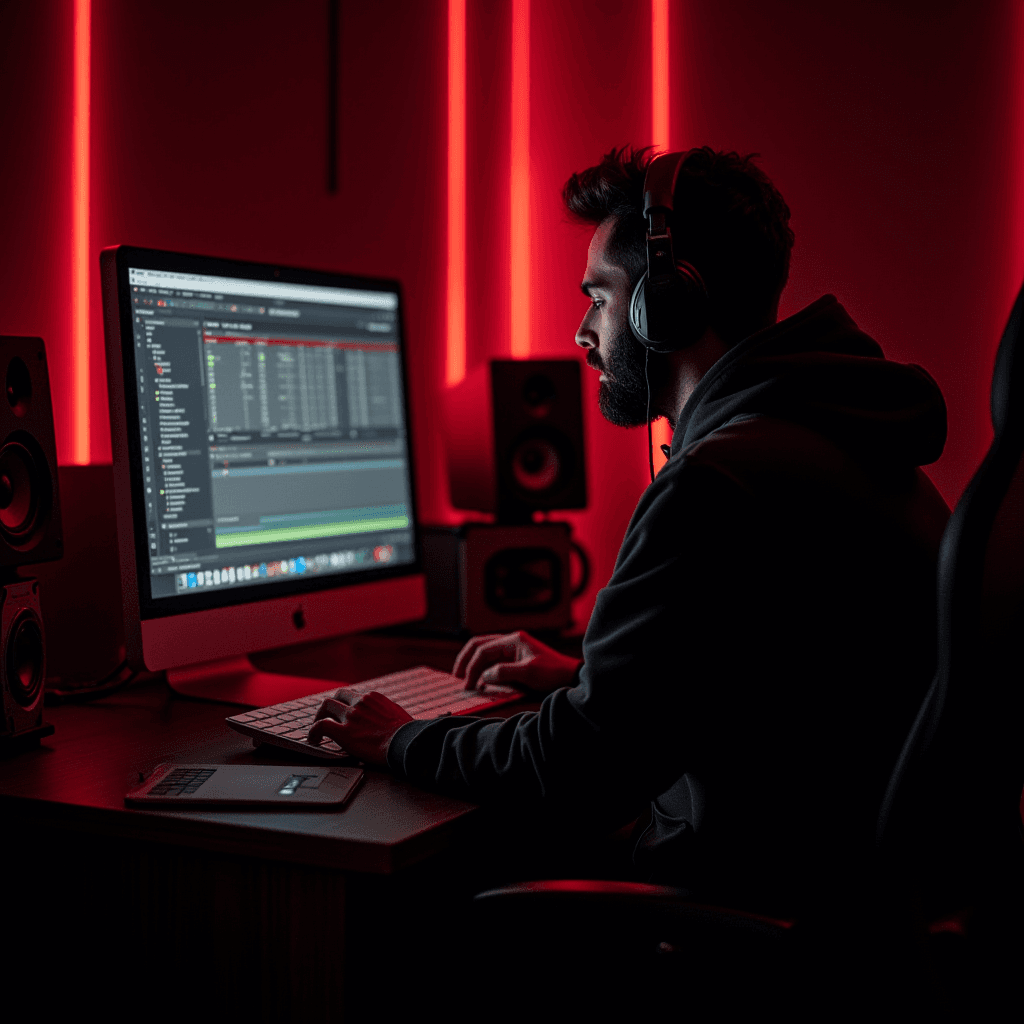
pixel 495 579
pixel 30 522
pixel 85 636
pixel 514 437
pixel 30 532
pixel 22 661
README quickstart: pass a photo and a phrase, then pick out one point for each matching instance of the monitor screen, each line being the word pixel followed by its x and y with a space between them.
pixel 265 430
pixel 271 421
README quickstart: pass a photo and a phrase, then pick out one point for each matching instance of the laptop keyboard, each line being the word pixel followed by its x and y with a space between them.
pixel 424 692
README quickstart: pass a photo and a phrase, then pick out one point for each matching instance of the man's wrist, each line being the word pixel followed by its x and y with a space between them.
pixel 394 753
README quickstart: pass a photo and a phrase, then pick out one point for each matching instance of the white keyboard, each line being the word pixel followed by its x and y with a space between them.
pixel 423 692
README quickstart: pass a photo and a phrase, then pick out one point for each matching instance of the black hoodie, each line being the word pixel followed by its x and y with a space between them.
pixel 767 634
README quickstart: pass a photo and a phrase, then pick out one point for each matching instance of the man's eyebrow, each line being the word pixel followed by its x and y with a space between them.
pixel 587 285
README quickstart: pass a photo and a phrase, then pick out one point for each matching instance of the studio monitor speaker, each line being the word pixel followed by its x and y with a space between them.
pixel 22 661
pixel 514 438
pixel 487 578
pixel 84 629
pixel 30 530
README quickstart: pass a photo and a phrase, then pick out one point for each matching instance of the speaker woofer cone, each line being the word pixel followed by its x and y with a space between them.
pixel 539 464
pixel 536 465
pixel 26 659
pixel 22 488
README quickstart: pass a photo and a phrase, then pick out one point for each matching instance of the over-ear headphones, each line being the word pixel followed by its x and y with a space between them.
pixel 669 307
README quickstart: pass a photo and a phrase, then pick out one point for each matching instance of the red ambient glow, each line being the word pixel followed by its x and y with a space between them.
pixel 80 238
pixel 455 362
pixel 660 138
pixel 520 181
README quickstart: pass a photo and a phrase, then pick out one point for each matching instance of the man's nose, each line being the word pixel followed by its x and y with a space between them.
pixel 585 337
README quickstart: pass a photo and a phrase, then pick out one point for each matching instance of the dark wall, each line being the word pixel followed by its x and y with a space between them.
pixel 35 187
pixel 890 128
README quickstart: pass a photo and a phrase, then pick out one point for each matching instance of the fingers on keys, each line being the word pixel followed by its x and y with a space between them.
pixel 484 651
pixel 328 716
pixel 333 707
pixel 332 728
pixel 465 656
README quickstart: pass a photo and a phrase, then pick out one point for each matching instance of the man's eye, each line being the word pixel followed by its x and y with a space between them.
pixel 596 303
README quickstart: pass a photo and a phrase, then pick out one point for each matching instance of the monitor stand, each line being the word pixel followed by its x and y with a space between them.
pixel 239 681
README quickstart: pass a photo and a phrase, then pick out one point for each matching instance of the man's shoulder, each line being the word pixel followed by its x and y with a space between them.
pixel 759 456
pixel 762 444
pixel 787 465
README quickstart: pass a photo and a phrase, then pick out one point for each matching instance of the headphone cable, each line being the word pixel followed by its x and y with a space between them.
pixel 650 432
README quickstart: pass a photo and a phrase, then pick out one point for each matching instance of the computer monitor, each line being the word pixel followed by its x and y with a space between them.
pixel 262 464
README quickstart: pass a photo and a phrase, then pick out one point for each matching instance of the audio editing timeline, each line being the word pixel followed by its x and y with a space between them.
pixel 273 438
pixel 299 385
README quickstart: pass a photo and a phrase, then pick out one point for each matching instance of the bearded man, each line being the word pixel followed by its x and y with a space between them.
pixel 756 659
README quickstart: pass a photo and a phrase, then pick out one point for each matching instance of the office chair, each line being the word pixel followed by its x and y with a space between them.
pixel 936 922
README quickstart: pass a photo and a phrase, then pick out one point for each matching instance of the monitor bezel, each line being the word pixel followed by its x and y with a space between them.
pixel 128 444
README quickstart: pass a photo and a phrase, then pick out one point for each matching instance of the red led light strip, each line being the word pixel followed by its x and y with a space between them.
pixel 519 212
pixel 1014 262
pixel 660 138
pixel 659 74
pixel 80 238
pixel 455 356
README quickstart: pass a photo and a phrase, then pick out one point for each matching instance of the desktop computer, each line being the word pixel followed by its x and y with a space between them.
pixel 262 464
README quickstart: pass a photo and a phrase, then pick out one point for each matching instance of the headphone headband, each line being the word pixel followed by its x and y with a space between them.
pixel 659 187
pixel 660 182
pixel 669 306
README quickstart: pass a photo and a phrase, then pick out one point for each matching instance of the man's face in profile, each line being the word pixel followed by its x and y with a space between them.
pixel 605 334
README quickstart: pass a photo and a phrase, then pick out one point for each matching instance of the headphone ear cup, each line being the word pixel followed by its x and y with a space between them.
pixel 671 313
pixel 638 312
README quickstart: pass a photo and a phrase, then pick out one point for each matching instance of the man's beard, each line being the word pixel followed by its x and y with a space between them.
pixel 622 397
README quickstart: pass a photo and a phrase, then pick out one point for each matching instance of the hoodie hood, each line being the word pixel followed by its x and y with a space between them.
pixel 819 370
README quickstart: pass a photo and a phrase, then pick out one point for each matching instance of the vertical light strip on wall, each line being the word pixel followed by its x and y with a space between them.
pixel 1014 262
pixel 455 361
pixel 519 257
pixel 660 139
pixel 80 239
pixel 659 74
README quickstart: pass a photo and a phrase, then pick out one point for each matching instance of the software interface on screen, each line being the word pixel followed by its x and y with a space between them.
pixel 272 429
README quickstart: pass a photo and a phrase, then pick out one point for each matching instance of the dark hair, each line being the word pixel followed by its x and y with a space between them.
pixel 729 221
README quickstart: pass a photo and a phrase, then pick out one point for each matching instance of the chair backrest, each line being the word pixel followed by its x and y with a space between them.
pixel 951 806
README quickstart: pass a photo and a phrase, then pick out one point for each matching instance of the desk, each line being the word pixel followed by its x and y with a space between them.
pixel 281 915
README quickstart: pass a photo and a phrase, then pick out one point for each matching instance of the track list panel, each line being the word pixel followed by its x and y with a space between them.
pixel 172 413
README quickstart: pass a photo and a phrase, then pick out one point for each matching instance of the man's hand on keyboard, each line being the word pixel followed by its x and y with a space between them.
pixel 361 723
pixel 514 659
